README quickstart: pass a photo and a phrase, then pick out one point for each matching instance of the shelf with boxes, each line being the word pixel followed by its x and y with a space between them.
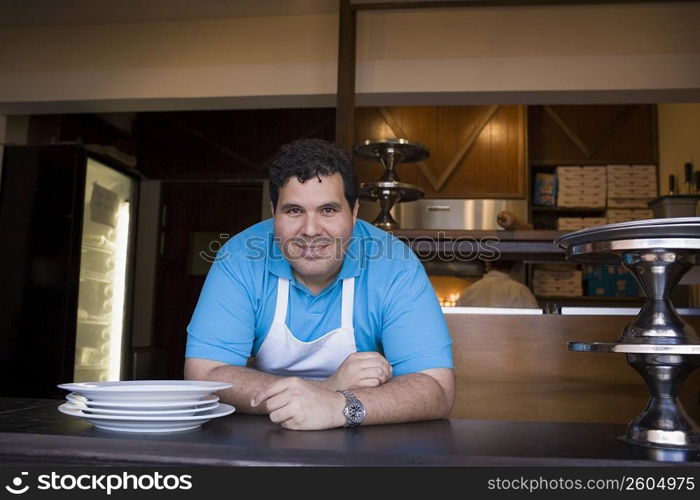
pixel 572 197
pixel 555 282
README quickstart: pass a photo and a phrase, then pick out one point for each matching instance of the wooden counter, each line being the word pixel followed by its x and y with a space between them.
pixel 39 434
pixel 517 367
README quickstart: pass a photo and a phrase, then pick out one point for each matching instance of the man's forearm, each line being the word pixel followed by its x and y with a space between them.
pixel 245 381
pixel 413 397
pixel 407 398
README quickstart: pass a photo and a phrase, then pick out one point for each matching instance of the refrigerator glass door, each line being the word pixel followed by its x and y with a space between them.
pixel 103 274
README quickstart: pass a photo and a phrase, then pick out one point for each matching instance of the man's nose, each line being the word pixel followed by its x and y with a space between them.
pixel 311 226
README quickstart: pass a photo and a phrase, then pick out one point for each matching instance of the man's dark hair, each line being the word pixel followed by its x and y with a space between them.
pixel 307 158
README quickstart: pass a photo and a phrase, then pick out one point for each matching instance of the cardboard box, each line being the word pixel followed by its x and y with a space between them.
pixel 569 191
pixel 596 288
pixel 632 181
pixel 558 291
pixel 631 169
pixel 610 281
pixel 582 184
pixel 614 202
pixel 556 277
pixel 576 223
pixel 631 190
pixel 581 171
pixel 557 283
pixel 630 213
pixel 592 201
pixel 643 177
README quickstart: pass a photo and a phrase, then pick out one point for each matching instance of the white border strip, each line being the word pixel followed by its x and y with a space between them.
pixel 490 310
pixel 617 311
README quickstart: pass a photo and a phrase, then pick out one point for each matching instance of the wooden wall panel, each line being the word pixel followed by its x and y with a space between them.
pixel 236 144
pixel 605 134
pixel 518 368
pixel 494 165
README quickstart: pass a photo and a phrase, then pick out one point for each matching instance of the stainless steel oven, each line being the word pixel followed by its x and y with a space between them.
pixel 435 213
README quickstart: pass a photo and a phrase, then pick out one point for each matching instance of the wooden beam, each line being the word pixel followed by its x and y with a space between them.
pixel 435 4
pixel 345 103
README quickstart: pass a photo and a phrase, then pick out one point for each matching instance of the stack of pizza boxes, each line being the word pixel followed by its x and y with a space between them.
pixel 630 188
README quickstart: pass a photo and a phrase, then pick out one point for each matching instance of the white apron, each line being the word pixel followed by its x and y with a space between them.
pixel 281 353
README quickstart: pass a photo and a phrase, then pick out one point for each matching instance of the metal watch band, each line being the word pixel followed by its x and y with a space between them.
pixel 354 411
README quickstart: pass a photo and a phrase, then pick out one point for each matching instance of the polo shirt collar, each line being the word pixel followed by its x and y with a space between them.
pixel 354 255
pixel 494 273
pixel 279 265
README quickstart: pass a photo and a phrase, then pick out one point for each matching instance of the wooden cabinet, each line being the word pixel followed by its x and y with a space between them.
pixel 592 134
pixel 475 151
pixel 587 135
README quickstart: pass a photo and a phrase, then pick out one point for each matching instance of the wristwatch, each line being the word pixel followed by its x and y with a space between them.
pixel 354 411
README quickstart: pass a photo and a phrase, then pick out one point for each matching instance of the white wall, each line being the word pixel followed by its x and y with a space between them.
pixel 603 50
pixel 593 53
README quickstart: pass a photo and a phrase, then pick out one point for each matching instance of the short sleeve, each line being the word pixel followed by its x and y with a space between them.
pixel 414 334
pixel 223 324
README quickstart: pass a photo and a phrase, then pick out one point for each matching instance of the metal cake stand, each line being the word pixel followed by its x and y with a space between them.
pixel 389 190
pixel 659 344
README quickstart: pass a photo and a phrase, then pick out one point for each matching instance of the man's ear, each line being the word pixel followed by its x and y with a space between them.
pixel 355 209
pixel 272 208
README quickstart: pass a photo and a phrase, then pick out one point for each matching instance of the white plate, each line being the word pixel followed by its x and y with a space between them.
pixel 154 412
pixel 126 423
pixel 145 390
pixel 78 399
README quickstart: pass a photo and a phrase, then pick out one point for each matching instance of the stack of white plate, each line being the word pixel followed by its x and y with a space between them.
pixel 145 405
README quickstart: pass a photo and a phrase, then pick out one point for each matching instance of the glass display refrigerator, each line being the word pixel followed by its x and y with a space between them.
pixel 67 227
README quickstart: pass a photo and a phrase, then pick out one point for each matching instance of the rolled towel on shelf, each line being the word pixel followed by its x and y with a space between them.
pixel 508 220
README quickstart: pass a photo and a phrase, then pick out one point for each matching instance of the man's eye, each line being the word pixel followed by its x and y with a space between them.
pixel 294 211
pixel 328 210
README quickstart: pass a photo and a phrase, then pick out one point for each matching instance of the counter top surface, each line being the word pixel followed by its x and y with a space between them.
pixel 545 235
pixel 517 244
pixel 33 431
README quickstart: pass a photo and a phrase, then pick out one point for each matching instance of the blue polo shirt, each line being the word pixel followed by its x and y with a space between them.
pixel 395 313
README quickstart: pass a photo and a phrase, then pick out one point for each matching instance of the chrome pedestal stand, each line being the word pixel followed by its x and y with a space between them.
pixel 659 344
pixel 389 190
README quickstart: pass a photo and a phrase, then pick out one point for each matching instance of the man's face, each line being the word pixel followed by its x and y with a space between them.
pixel 314 222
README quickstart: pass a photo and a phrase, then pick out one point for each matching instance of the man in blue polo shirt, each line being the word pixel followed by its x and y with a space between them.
pixel 323 303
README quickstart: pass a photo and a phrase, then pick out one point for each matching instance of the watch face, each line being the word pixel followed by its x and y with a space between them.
pixel 356 412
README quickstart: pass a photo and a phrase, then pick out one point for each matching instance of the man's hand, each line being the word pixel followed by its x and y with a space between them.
pixel 359 369
pixel 299 404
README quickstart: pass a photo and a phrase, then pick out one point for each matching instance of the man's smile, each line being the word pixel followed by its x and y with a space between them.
pixel 312 250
